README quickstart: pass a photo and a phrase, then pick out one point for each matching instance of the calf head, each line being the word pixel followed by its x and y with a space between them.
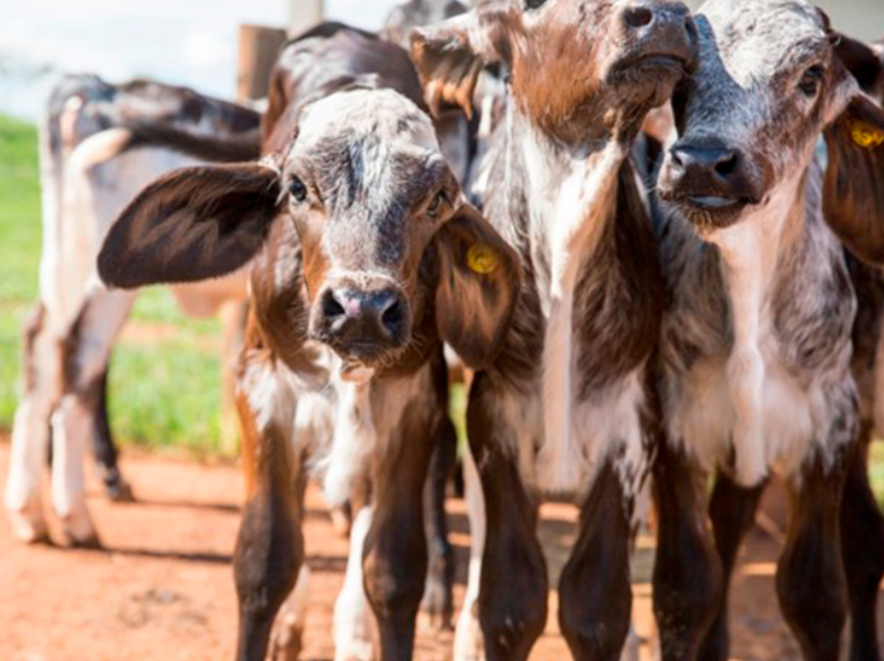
pixel 579 69
pixel 368 237
pixel 773 76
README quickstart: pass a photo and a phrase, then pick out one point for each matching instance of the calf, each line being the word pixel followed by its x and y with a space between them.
pixel 862 526
pixel 90 167
pixel 756 342
pixel 365 257
pixel 569 405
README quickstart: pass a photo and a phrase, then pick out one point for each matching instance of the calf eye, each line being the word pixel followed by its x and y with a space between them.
pixel 436 205
pixel 810 81
pixel 298 190
pixel 534 4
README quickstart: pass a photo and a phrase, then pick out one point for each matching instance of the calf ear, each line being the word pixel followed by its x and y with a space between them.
pixel 449 56
pixel 191 224
pixel 479 282
pixel 853 190
pixel 860 59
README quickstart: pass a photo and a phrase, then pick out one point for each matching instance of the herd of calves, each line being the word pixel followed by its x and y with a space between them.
pixel 651 239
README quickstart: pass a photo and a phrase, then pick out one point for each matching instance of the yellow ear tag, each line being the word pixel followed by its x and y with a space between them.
pixel 866 135
pixel 482 259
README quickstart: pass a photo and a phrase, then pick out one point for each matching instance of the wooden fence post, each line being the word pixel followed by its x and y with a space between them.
pixel 258 48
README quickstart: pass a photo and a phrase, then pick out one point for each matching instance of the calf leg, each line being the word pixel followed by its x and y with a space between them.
pixel 438 601
pixel 104 448
pixel 595 594
pixel 810 574
pixel 85 354
pixel 514 586
pixel 353 626
pixel 862 534
pixel 30 431
pixel 288 630
pixel 687 573
pixel 270 546
pixel 732 511
pixel 395 551
pixel 468 643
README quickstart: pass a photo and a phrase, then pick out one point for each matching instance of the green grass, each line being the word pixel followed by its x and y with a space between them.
pixel 163 393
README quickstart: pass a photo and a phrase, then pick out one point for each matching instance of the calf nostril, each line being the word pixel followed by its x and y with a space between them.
pixel 638 17
pixel 676 158
pixel 394 315
pixel 331 308
pixel 727 165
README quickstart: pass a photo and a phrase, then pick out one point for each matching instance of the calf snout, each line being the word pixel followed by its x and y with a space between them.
pixel 362 323
pixel 709 174
pixel 660 28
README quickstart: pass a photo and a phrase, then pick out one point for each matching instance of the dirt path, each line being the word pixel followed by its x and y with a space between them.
pixel 162 590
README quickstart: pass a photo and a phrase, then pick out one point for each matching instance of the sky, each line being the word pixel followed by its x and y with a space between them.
pixel 186 42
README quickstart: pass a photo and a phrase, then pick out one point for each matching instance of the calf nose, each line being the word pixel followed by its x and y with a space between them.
pixel 644 17
pixel 716 163
pixel 366 316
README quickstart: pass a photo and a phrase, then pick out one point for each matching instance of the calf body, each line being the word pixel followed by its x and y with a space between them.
pixel 756 343
pixel 90 168
pixel 569 405
pixel 359 240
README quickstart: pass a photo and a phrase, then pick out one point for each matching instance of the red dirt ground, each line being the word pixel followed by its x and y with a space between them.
pixel 162 589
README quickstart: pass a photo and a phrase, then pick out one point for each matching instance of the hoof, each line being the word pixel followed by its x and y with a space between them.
pixel 469 645
pixel 437 608
pixel 80 533
pixel 29 528
pixel 119 491
pixel 92 542
pixel 285 645
pixel 341 520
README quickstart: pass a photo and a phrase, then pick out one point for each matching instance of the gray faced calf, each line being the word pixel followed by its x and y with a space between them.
pixel 569 404
pixel 365 258
pixel 756 343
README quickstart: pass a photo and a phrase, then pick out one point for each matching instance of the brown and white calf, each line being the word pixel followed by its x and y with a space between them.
pixel 569 405
pixel 756 344
pixel 90 167
pixel 862 525
pixel 365 257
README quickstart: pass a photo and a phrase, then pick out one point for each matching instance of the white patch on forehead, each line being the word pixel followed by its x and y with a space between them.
pixel 384 114
pixel 754 38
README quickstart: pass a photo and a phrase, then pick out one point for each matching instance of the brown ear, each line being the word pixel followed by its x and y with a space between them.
pixel 191 224
pixel 853 191
pixel 480 278
pixel 860 59
pixel 449 56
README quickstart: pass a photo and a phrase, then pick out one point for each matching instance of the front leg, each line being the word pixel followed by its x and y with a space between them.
pixel 862 535
pixel 270 546
pixel 732 511
pixel 687 572
pixel 810 575
pixel 595 591
pixel 514 585
pixel 395 548
pixel 438 601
